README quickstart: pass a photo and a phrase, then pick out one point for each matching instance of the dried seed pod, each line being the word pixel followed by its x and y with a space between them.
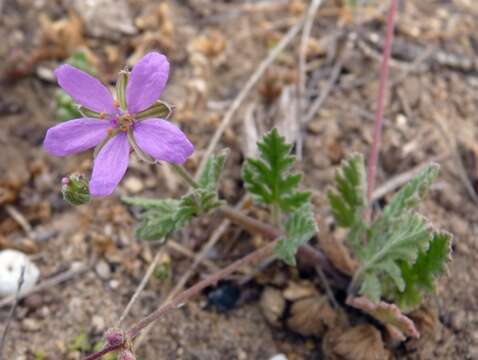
pixel 272 305
pixel 312 316
pixel 361 342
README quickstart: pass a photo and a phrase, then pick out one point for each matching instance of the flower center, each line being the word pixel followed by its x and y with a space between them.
pixel 125 121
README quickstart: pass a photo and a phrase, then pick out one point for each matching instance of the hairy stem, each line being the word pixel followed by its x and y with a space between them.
pixel 185 175
pixel 186 295
pixel 384 70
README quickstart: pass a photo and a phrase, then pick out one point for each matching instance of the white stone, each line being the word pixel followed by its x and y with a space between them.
pixel 11 264
pixel 279 357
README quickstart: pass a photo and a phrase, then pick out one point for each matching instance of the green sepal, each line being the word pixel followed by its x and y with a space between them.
pixel 160 109
pixel 75 189
pixel 121 84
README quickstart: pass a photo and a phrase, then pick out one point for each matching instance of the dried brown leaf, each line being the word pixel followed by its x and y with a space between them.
pixel 272 305
pixel 299 290
pixel 336 251
pixel 390 315
pixel 361 342
pixel 312 316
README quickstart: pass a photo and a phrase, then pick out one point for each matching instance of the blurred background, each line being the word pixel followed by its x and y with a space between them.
pixel 320 93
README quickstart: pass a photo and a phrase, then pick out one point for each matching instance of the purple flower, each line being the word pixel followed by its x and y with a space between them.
pixel 117 130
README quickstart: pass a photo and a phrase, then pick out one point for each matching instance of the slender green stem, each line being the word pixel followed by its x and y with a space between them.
pixel 276 214
pixel 180 170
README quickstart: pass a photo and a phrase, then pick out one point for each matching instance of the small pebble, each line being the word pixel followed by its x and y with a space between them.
pixel 11 264
pixel 31 325
pixel 133 185
pixel 103 270
pixel 279 357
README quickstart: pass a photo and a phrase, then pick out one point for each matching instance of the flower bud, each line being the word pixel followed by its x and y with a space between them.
pixel 126 355
pixel 74 189
pixel 114 336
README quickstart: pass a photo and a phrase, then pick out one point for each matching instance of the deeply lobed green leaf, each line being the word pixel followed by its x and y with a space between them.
pixel 348 200
pixel 399 256
pixel 412 193
pixel 421 275
pixel 270 179
pixel 299 229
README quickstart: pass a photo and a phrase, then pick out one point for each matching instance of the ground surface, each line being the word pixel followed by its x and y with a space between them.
pixel 214 47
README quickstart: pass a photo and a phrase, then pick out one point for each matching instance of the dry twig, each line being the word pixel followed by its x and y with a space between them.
pixel 255 77
pixel 65 276
pixel 141 286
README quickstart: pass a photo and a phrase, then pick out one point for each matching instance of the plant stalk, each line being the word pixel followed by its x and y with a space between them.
pixel 382 91
pixel 181 171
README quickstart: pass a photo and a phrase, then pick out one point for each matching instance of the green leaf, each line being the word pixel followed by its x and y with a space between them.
pixel 161 219
pixel 165 216
pixel 421 275
pixel 199 201
pixel 299 229
pixel 349 200
pixel 386 250
pixel 209 178
pixel 269 179
pixel 412 193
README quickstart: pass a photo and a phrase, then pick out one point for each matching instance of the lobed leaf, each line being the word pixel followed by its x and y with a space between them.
pixel 209 178
pixel 349 199
pixel 386 250
pixel 299 229
pixel 269 178
pixel 412 193
pixel 161 218
pixel 388 314
pixel 421 275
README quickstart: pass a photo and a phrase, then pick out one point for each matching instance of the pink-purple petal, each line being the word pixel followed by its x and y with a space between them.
pixel 85 89
pixel 146 82
pixel 110 166
pixel 163 140
pixel 75 136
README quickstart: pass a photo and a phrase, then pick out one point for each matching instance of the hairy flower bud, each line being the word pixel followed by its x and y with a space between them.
pixel 126 355
pixel 74 189
pixel 114 336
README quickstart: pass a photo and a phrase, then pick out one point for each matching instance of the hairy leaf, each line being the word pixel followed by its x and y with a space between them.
pixel 269 178
pixel 299 229
pixel 349 199
pixel 412 193
pixel 211 174
pixel 386 250
pixel 161 218
pixel 421 275
pixel 165 216
pixel 388 314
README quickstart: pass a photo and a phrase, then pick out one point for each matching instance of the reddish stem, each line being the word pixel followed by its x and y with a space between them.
pixel 382 91
pixel 307 252
pixel 181 298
